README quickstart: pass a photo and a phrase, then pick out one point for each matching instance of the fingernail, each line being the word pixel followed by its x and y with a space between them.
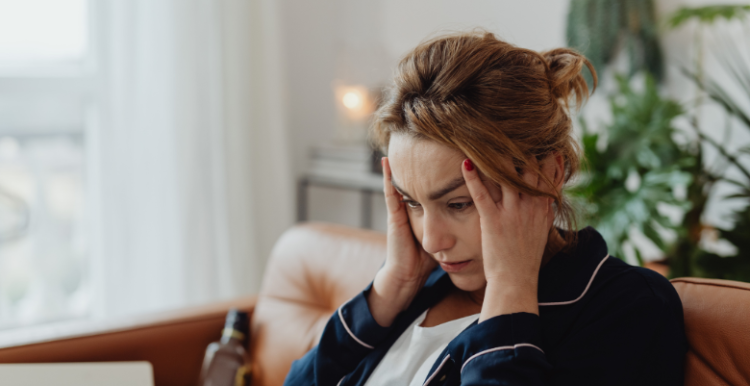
pixel 468 165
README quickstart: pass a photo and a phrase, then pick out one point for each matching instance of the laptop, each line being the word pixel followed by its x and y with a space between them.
pixel 78 374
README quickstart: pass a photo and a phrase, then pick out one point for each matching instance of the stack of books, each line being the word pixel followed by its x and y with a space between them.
pixel 342 160
pixel 346 163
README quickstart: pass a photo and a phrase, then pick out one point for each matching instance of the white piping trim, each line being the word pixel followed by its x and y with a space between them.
pixel 498 349
pixel 437 370
pixel 584 291
pixel 342 380
pixel 341 316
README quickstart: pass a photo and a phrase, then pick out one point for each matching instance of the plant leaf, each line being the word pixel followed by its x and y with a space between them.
pixel 708 14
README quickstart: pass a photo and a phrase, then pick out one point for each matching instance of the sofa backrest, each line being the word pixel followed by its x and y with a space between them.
pixel 717 325
pixel 313 269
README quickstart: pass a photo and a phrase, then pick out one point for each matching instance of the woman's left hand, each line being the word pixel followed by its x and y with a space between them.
pixel 514 230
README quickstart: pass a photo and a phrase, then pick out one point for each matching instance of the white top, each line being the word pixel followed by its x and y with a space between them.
pixel 411 357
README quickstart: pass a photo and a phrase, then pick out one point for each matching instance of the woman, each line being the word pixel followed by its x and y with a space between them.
pixel 478 286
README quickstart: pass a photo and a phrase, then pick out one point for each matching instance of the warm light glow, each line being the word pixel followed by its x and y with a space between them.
pixel 352 100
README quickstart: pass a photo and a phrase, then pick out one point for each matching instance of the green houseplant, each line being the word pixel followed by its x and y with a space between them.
pixel 688 258
pixel 600 29
pixel 641 144
pixel 627 181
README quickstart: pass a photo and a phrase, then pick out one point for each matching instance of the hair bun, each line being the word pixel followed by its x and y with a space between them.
pixel 564 73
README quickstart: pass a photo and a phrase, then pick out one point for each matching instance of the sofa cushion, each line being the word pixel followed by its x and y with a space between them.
pixel 313 269
pixel 717 324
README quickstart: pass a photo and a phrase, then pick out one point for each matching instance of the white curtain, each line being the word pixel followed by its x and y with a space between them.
pixel 190 167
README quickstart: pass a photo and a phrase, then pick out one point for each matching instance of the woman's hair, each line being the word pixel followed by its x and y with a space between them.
pixel 490 100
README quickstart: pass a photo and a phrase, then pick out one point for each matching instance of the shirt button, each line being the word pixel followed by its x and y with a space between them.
pixel 442 378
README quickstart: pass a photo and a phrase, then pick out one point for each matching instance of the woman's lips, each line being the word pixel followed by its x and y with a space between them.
pixel 454 267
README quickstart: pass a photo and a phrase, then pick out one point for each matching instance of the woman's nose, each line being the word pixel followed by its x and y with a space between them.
pixel 436 235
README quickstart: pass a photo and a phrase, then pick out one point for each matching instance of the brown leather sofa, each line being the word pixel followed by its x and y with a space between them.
pixel 316 267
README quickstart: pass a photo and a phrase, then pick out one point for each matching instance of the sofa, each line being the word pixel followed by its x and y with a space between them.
pixel 316 267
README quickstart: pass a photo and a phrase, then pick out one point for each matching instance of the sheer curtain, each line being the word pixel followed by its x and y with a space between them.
pixel 190 167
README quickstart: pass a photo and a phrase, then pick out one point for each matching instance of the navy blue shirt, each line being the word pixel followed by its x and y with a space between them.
pixel 601 322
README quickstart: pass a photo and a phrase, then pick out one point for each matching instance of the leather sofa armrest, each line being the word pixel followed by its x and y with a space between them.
pixel 174 342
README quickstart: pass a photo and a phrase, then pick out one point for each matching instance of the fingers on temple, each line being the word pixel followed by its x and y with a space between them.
pixel 392 197
pixel 511 195
pixel 533 177
pixel 530 177
pixel 479 193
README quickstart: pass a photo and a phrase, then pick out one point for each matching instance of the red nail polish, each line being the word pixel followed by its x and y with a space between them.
pixel 468 165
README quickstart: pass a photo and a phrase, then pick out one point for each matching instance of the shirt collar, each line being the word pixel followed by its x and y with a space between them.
pixel 567 276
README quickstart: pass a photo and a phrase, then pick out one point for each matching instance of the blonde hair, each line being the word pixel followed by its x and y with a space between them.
pixel 490 99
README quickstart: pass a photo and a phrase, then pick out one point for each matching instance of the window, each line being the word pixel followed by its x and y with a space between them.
pixel 45 72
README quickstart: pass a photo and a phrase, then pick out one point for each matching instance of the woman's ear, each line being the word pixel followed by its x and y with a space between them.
pixel 553 167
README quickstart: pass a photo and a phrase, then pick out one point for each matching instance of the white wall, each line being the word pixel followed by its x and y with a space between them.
pixel 361 42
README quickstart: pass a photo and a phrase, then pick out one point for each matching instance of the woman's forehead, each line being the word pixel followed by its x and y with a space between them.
pixel 419 166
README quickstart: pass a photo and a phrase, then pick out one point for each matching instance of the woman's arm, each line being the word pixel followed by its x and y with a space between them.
pixel 349 336
pixel 515 228
pixel 360 324
pixel 407 266
pixel 637 337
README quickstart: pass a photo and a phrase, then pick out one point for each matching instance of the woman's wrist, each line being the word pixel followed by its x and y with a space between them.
pixel 502 298
pixel 389 296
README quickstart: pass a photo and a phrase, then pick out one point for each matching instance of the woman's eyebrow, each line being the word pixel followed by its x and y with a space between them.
pixel 395 186
pixel 453 185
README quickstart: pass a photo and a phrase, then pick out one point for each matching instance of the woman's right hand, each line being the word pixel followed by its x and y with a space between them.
pixel 407 265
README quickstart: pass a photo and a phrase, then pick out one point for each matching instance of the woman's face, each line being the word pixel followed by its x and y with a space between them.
pixel 442 215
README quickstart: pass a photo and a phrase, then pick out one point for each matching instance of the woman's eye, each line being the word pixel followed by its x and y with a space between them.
pixel 459 205
pixel 412 204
